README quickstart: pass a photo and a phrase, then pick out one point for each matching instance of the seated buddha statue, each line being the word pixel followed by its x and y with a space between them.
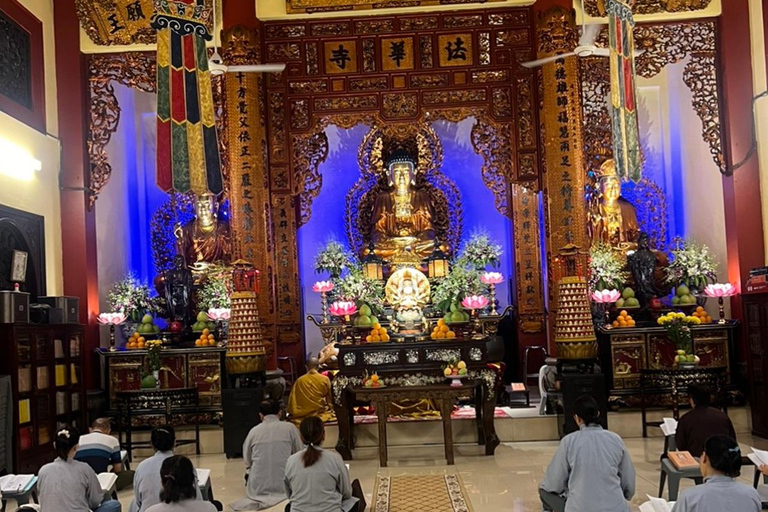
pixel 402 231
pixel 204 241
pixel 614 221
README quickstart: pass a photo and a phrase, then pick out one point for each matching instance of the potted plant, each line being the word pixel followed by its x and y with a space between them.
pixel 678 328
pixel 463 280
pixel 480 252
pixel 333 258
pixel 606 270
pixel 692 265
pixel 151 378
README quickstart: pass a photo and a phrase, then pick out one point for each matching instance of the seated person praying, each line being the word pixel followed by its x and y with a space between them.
pixel 317 480
pixel 311 395
pixel 265 452
pixel 179 492
pixel 701 423
pixel 69 485
pixel 100 450
pixel 720 466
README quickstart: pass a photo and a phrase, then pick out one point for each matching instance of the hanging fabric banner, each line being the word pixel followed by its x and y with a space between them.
pixel 187 147
pixel 623 107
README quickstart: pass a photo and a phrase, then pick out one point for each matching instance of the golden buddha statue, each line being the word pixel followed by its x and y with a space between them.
pixel 407 291
pixel 402 231
pixel 205 241
pixel 614 220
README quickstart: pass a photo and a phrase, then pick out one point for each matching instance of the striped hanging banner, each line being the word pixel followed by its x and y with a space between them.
pixel 623 107
pixel 187 146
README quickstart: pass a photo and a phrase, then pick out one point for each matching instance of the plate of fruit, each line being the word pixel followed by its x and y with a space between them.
pixel 147 327
pixel 378 334
pixel 456 315
pixel 136 342
pixel 373 381
pixel 442 331
pixel 624 320
pixel 627 300
pixel 684 298
pixel 206 339
pixel 455 371
pixel 685 360
pixel 365 318
pixel 702 315
pixel 203 322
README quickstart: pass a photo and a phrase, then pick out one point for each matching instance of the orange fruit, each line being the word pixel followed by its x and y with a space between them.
pixel 615 323
pixel 441 336
pixel 631 323
pixel 374 378
pixel 142 340
pixel 699 309
pixel 441 322
pixel 433 335
pixel 623 312
pixel 385 337
pixel 211 337
pixel 198 343
pixel 375 338
pixel 368 338
pixel 376 326
pixel 450 334
pixel 444 329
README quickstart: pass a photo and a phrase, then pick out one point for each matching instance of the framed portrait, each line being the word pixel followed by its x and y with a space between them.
pixel 19 267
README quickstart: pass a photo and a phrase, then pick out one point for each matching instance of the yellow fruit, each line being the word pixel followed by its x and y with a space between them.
pixel 376 326
pixel 447 371
pixel 461 365
pixel 450 334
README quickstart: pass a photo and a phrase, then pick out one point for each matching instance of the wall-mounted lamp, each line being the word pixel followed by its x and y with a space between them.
pixel 17 162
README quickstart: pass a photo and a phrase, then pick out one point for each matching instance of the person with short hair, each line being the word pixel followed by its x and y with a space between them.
pixel 720 465
pixel 311 395
pixel 701 423
pixel 317 480
pixel 100 450
pixel 70 485
pixel 265 451
pixel 179 493
pixel 591 470
pixel 147 484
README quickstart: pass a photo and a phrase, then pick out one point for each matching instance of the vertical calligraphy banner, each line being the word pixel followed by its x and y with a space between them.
pixel 530 293
pixel 565 172
pixel 249 187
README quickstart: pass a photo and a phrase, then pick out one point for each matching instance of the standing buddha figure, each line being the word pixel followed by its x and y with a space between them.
pixel 614 220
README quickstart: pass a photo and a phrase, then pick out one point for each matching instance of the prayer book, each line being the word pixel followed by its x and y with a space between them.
pixel 669 426
pixel 517 386
pixel 758 457
pixel 203 475
pixel 107 482
pixel 15 483
pixel 683 460
pixel 656 505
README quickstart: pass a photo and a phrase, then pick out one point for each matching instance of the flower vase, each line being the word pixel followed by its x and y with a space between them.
pixel 156 375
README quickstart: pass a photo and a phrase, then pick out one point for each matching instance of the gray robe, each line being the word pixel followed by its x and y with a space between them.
pixel 265 452
pixel 147 484
pixel 322 487
pixel 70 486
pixel 593 469
pixel 718 494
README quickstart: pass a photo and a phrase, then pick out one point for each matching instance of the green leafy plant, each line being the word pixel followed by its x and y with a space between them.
pixel 480 252
pixel 356 287
pixel 215 292
pixel 606 270
pixel 333 258
pixel 153 355
pixel 692 264
pixel 134 299
pixel 462 280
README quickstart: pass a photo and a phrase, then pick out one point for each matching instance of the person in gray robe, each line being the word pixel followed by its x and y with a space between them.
pixel 591 470
pixel 720 464
pixel 146 481
pixel 265 451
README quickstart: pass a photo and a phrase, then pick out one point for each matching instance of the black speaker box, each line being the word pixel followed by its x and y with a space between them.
pixel 241 414
pixel 575 385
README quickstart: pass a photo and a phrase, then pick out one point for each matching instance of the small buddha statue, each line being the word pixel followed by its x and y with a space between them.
pixel 402 230
pixel 614 221
pixel 647 269
pixel 407 291
pixel 205 240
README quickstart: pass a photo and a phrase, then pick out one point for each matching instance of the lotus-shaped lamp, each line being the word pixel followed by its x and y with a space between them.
pixel 720 290
pixel 606 296
pixel 475 302
pixel 343 308
pixel 492 278
pixel 216 314
pixel 111 318
pixel 322 287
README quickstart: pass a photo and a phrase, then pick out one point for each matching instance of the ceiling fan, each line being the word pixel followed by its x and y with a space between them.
pixel 217 67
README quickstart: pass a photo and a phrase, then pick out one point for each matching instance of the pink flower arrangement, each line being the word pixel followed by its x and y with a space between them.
pixel 475 302
pixel 322 286
pixel 720 290
pixel 111 318
pixel 492 278
pixel 216 314
pixel 343 308
pixel 606 296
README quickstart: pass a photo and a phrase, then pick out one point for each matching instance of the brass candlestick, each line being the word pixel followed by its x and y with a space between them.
pixel 112 347
pixel 324 302
pixel 493 299
pixel 721 307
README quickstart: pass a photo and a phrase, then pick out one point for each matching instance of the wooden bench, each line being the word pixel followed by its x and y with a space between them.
pixel 156 402
pixel 444 395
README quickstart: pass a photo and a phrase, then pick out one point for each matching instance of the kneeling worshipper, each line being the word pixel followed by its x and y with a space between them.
pixel 311 395
pixel 265 451
pixel 720 466
pixel 70 485
pixel 179 492
pixel 317 480
pixel 591 470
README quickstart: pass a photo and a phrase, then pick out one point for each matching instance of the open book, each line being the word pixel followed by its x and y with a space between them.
pixel 669 426
pixel 203 475
pixel 758 457
pixel 15 483
pixel 656 505
pixel 107 482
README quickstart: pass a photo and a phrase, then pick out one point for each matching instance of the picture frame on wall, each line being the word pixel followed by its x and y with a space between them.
pixel 19 266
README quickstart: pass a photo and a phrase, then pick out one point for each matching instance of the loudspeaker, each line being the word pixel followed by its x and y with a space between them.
pixel 241 414
pixel 575 385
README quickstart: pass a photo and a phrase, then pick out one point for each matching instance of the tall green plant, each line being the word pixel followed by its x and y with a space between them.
pixel 462 280
pixel 355 286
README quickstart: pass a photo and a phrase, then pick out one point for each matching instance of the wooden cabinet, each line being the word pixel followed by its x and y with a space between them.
pixel 756 325
pixel 45 363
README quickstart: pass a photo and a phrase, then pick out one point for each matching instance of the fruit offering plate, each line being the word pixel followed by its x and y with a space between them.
pixel 456 380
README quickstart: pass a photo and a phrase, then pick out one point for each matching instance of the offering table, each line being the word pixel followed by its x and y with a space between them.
pixel 414 370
